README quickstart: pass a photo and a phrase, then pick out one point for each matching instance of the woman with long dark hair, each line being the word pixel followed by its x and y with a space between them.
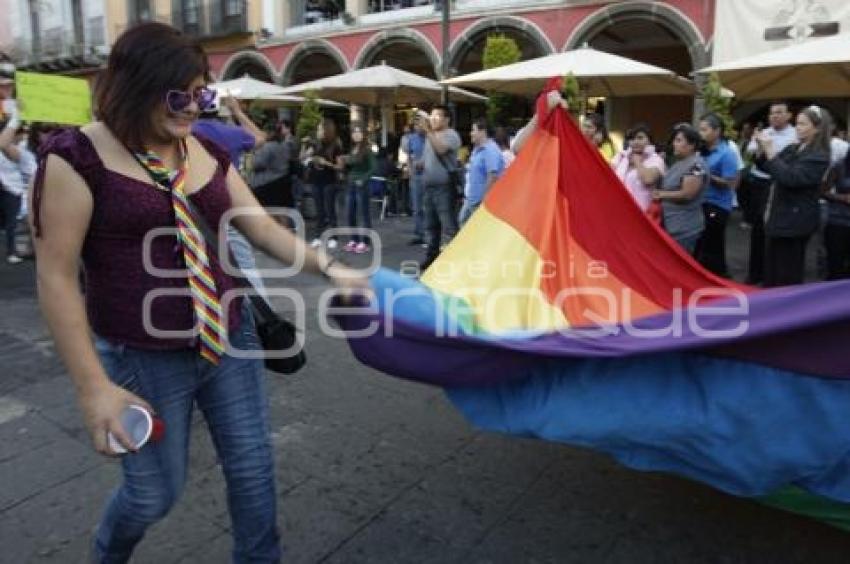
pixel 593 127
pixel 793 212
pixel 359 165
pixel 162 321
pixel 324 175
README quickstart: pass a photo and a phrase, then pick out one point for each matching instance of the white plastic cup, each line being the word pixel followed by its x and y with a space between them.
pixel 137 423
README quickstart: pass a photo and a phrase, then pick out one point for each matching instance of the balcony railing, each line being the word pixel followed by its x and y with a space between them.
pixel 211 19
pixel 313 12
pixel 317 17
pixel 390 5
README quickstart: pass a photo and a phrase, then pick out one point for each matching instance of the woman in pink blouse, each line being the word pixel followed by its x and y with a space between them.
pixel 639 166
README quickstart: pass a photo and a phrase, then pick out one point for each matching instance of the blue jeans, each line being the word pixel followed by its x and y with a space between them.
pixel 357 199
pixel 440 217
pixel 466 211
pixel 325 198
pixel 233 401
pixel 417 193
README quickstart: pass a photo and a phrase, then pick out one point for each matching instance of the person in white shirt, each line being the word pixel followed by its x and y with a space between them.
pixel 17 165
pixel 758 183
pixel 837 150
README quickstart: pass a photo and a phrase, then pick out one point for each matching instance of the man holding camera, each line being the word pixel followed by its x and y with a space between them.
pixel 439 170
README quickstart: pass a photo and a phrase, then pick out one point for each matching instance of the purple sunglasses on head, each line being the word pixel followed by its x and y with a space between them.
pixel 178 100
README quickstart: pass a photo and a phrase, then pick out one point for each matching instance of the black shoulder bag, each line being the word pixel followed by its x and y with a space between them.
pixel 455 180
pixel 276 333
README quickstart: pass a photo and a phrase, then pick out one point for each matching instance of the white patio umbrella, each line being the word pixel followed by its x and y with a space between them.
pixel 264 94
pixel 247 88
pixel 288 100
pixel 815 68
pixel 384 86
pixel 379 85
pixel 598 74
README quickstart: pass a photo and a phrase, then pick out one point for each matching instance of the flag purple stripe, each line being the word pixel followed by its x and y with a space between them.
pixel 805 329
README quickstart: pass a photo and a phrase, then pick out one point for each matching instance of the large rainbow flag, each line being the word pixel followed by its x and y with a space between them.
pixel 561 312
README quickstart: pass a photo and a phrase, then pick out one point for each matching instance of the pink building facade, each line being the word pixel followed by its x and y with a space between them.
pixel 675 34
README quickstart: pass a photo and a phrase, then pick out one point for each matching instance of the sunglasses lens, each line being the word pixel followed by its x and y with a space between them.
pixel 177 101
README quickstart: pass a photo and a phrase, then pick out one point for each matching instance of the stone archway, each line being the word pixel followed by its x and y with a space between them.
pixel 663 16
pixel 405 48
pixel 466 54
pixel 465 51
pixel 250 63
pixel 312 60
pixel 653 33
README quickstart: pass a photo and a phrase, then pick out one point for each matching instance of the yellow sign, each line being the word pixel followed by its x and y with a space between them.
pixel 53 99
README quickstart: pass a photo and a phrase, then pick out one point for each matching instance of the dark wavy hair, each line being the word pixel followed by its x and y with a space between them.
pixel 363 147
pixel 714 121
pixel 640 127
pixel 691 135
pixel 481 124
pixel 146 62
pixel 599 123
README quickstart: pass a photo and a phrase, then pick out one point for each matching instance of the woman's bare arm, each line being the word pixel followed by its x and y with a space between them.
pixel 690 189
pixel 553 99
pixel 268 235
pixel 66 208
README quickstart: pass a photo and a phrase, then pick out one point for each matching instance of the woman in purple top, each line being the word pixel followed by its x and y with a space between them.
pixel 100 196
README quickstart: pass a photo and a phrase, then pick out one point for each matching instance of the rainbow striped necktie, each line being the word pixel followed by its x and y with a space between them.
pixel 205 301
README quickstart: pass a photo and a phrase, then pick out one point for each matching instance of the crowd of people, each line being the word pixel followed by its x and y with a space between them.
pixel 689 187
pixel 789 180
pixel 159 156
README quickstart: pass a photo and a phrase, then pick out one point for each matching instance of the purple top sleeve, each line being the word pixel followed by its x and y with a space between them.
pixel 72 146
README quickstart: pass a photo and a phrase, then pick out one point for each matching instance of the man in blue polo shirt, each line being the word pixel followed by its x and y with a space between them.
pixel 485 166
pixel 722 163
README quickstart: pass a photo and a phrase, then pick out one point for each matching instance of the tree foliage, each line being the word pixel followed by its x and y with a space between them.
pixel 572 94
pixel 310 117
pixel 499 50
pixel 716 102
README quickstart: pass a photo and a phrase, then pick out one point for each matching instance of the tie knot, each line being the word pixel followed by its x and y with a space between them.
pixel 157 168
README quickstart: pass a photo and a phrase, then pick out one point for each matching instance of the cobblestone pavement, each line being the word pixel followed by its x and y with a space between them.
pixel 370 469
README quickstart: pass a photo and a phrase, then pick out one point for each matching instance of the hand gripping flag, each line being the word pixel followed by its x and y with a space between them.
pixel 561 312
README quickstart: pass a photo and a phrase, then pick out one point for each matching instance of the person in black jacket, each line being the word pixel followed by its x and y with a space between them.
pixel 837 232
pixel 793 213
